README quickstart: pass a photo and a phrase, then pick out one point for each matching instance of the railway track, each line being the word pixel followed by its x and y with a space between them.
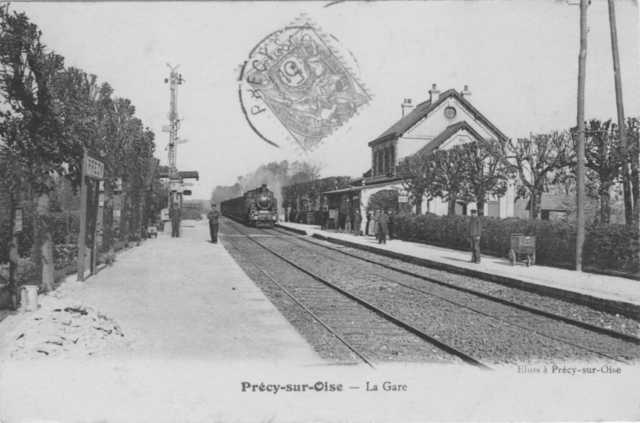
pixel 361 326
pixel 566 330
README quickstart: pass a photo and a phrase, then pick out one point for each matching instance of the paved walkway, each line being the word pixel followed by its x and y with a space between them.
pixel 597 289
pixel 185 297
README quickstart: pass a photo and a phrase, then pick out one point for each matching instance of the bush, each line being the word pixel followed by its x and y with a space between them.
pixel 607 247
pixel 64 255
pixel 65 228
pixel 26 272
pixel 192 214
pixel 613 247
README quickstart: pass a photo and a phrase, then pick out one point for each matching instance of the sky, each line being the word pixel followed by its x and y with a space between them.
pixel 519 59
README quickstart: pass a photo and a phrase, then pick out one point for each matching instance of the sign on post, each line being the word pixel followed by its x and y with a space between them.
pixel 403 199
pixel 94 166
pixel 92 173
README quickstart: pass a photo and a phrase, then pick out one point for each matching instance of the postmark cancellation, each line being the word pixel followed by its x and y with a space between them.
pixel 301 85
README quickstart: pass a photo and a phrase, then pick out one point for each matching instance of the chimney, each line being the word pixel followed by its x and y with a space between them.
pixel 434 93
pixel 406 107
pixel 466 93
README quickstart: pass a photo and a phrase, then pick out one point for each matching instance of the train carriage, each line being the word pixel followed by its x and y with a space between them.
pixel 257 207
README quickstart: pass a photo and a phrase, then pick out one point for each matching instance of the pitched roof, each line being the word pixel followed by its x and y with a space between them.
pixel 424 108
pixel 446 134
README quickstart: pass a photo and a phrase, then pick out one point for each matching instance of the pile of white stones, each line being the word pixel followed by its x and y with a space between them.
pixel 62 328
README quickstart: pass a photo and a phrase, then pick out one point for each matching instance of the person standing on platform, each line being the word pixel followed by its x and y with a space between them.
pixel 176 216
pixel 323 221
pixel 213 216
pixel 383 227
pixel 391 224
pixel 357 221
pixel 367 229
pixel 347 222
pixel 337 220
pixel 475 232
pixel 374 224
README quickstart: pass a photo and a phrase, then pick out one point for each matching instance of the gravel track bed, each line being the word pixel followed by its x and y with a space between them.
pixel 323 341
pixel 553 305
pixel 484 338
pixel 373 336
pixel 605 344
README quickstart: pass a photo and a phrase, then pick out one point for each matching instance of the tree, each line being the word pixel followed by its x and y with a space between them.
pixel 27 71
pixel 417 176
pixel 384 200
pixel 450 176
pixel 138 149
pixel 486 171
pixel 536 160
pixel 604 156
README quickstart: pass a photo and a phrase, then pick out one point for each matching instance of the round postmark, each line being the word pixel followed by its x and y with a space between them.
pixel 298 84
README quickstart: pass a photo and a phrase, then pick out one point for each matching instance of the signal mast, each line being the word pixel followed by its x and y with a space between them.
pixel 175 182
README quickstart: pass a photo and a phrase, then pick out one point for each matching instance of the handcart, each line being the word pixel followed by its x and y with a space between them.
pixel 522 246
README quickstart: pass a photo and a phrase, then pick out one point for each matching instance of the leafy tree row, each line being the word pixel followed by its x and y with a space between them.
pixel 50 115
pixel 469 173
pixel 299 195
pixel 464 173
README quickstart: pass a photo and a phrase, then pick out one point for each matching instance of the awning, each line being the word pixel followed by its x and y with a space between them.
pixel 359 188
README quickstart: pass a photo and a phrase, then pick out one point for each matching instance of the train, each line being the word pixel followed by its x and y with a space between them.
pixel 258 207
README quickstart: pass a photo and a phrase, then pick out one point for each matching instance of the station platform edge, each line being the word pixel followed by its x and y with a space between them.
pixel 606 293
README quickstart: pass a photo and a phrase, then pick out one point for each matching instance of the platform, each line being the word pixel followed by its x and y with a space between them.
pixel 187 298
pixel 602 292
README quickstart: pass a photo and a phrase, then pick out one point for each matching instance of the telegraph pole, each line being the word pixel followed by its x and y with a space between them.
pixel 626 183
pixel 582 65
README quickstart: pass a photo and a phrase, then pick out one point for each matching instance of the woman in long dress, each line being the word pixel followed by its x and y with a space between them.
pixel 374 224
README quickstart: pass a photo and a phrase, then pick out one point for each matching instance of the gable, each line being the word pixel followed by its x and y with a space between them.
pixel 426 110
pixel 458 134
pixel 435 122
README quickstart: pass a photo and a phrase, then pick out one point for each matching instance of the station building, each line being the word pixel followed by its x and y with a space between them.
pixel 444 120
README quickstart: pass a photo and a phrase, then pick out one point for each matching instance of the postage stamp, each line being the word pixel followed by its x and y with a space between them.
pixel 300 85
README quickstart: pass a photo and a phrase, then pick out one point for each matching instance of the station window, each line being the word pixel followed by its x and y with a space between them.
pixel 450 112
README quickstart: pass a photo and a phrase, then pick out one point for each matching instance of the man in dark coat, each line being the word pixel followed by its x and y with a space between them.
pixel 383 227
pixel 176 216
pixel 324 219
pixel 391 224
pixel 475 232
pixel 213 216
pixel 357 221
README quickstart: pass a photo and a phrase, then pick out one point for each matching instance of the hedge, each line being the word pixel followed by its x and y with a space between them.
pixel 65 227
pixel 607 247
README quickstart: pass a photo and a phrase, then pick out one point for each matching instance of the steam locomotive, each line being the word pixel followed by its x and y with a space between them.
pixel 257 207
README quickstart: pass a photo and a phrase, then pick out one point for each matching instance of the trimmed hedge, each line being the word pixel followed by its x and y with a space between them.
pixel 607 247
